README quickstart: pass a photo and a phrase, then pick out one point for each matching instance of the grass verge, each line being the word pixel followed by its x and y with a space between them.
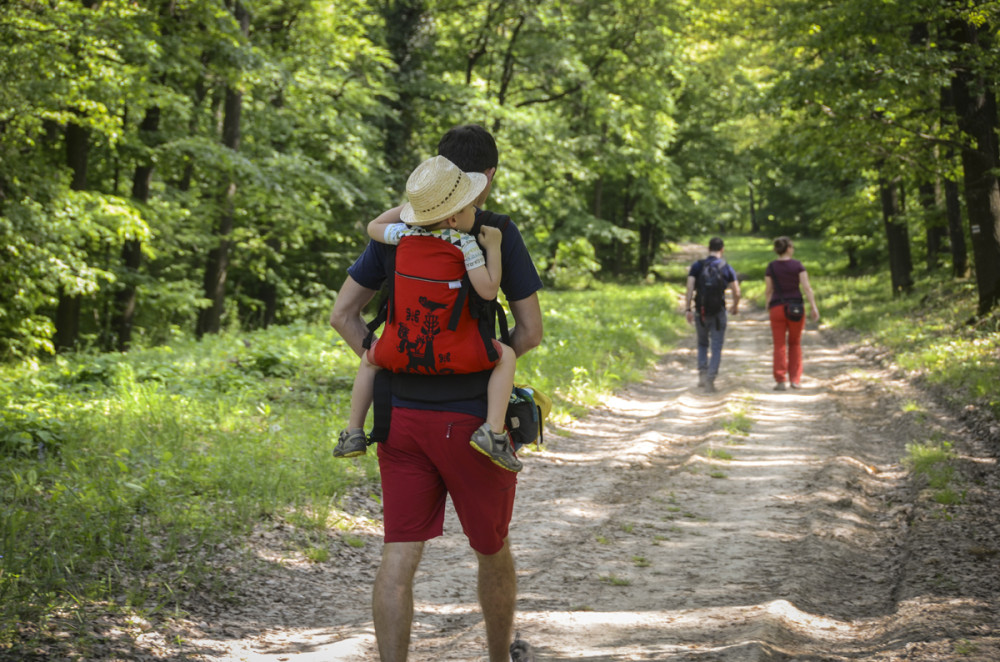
pixel 120 473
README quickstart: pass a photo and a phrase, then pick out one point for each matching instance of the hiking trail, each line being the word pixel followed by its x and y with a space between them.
pixel 674 525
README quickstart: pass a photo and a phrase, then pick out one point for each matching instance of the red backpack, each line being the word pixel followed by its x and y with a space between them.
pixel 432 320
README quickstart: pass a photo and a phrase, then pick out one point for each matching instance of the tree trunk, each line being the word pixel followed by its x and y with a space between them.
pixel 68 309
pixel 77 153
pixel 125 299
pixel 200 94
pixel 754 223
pixel 897 235
pixel 645 239
pixel 975 105
pixel 403 20
pixel 928 193
pixel 217 266
pixel 953 204
pixel 956 233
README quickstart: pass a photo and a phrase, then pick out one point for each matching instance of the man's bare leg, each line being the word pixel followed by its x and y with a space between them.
pixel 497 599
pixel 392 599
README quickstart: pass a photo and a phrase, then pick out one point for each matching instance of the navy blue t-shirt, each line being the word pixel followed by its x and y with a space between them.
pixel 519 280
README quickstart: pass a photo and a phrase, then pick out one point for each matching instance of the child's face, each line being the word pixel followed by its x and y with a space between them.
pixel 465 219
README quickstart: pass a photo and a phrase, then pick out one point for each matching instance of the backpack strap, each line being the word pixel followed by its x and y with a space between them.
pixel 384 313
pixel 381 406
pixel 490 313
pixel 491 218
pixel 460 302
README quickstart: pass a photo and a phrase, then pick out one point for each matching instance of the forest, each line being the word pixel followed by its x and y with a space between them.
pixel 183 184
pixel 176 168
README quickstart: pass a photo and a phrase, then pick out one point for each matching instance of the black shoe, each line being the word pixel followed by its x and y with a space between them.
pixel 710 386
pixel 521 650
pixel 702 379
pixel 497 447
pixel 351 444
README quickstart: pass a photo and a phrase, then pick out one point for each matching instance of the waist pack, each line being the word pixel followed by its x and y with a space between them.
pixel 526 414
pixel 794 310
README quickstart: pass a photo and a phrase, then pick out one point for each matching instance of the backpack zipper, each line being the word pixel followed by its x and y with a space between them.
pixel 452 284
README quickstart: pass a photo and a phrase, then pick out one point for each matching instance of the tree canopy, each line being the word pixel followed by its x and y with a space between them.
pixel 182 166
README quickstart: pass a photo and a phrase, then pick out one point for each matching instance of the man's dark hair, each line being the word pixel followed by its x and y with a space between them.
pixel 470 147
pixel 715 244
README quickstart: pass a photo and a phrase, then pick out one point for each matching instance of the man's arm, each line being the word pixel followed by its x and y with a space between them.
pixel 346 315
pixel 689 300
pixel 735 287
pixel 527 332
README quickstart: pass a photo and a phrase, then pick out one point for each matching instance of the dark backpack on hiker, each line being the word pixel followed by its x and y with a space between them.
pixel 710 287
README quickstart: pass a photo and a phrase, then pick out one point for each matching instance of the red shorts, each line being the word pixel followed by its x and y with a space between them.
pixel 426 457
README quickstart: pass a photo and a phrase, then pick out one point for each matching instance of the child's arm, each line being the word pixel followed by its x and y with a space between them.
pixel 486 279
pixel 376 228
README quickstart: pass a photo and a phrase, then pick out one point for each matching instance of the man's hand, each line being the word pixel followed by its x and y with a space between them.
pixel 689 315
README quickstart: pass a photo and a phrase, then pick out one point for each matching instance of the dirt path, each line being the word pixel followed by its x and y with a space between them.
pixel 673 525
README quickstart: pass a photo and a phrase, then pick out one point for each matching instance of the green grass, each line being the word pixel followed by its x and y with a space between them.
pixel 935 462
pixel 614 580
pixel 597 340
pixel 116 467
pixel 929 334
pixel 718 454
pixel 739 424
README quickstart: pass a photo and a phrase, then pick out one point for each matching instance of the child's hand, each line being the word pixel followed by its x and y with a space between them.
pixel 490 237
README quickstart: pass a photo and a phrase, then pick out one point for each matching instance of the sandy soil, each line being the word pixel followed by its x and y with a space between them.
pixel 674 525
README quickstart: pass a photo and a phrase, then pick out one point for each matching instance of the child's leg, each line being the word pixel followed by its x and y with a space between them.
pixel 499 388
pixel 362 394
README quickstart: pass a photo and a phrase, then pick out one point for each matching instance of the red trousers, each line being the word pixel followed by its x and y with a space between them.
pixel 787 360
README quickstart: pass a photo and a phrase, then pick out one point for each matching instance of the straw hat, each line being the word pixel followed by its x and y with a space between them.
pixel 437 189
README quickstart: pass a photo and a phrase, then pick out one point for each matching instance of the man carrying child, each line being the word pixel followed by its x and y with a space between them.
pixel 427 455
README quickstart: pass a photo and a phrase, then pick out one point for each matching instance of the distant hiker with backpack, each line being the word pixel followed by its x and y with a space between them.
pixel 435 252
pixel 426 455
pixel 705 307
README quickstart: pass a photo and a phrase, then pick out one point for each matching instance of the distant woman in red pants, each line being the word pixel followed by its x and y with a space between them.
pixel 785 281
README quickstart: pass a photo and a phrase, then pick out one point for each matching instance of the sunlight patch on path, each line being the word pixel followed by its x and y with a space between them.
pixel 607 634
pixel 301 645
